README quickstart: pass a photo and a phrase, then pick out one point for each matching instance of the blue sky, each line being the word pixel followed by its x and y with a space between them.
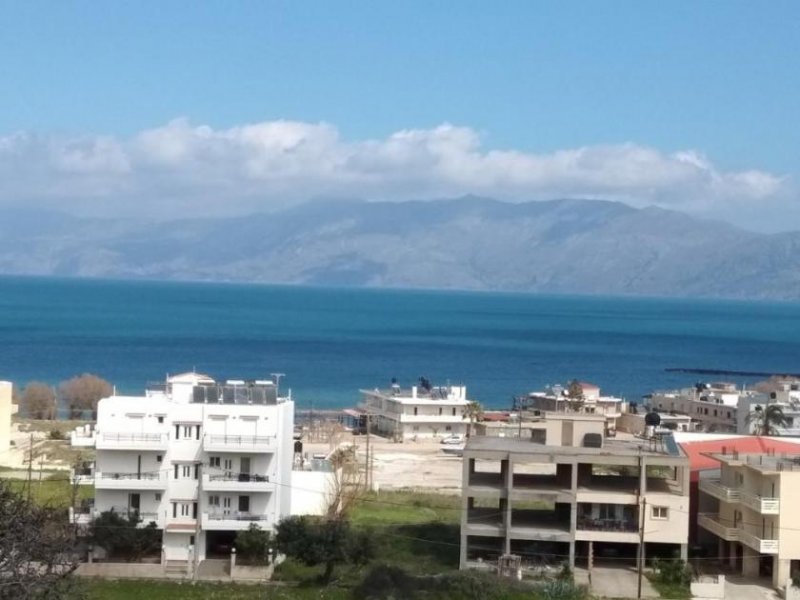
pixel 719 79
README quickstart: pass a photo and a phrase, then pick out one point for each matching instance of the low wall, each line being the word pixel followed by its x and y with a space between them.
pixel 791 592
pixel 246 573
pixel 126 571
pixel 709 588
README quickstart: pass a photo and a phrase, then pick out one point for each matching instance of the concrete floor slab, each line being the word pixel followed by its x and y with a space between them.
pixel 614 582
pixel 749 588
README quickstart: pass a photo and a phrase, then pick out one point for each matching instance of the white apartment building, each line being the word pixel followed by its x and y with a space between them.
pixel 555 399
pixel 202 459
pixel 422 411
pixel 750 509
pixel 783 391
pixel 576 499
pixel 713 407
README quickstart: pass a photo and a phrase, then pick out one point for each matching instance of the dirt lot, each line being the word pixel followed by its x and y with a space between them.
pixel 420 464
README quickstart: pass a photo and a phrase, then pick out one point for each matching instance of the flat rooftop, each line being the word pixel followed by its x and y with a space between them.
pixel 761 462
pixel 624 447
pixel 400 394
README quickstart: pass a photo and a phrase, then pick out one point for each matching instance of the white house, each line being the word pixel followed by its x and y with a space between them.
pixel 423 411
pixel 202 459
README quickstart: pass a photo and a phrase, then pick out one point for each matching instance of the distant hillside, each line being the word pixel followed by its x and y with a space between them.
pixel 559 246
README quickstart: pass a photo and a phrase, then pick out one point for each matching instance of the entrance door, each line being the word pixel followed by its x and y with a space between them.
pixel 134 503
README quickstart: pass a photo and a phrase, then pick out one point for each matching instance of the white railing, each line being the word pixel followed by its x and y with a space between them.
pixel 765 506
pixel 124 440
pixel 711 522
pixel 764 546
pixel 715 488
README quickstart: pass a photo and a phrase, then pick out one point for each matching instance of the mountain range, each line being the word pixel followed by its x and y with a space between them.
pixel 558 246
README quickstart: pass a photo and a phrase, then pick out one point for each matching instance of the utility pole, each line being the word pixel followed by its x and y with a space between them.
pixel 642 514
pixel 198 520
pixel 30 466
pixel 368 464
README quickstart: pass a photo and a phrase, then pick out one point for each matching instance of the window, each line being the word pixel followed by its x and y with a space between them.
pixel 158 496
pixel 187 431
pixel 660 512
pixel 184 509
pixel 159 457
pixel 448 428
pixel 191 540
pixel 415 411
pixel 214 462
pixel 454 411
pixel 440 411
pixel 160 418
pixel 186 471
pixel 213 500
pixel 244 504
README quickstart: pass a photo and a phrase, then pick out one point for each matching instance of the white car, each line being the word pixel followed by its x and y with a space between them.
pixel 454 439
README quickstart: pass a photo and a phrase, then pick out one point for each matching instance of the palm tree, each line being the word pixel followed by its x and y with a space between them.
pixel 474 412
pixel 767 421
pixel 575 397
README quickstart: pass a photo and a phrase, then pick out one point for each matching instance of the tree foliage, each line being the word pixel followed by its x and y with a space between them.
pixel 38 551
pixel 767 420
pixel 253 545
pixel 83 392
pixel 474 412
pixel 121 536
pixel 326 542
pixel 39 401
pixel 575 395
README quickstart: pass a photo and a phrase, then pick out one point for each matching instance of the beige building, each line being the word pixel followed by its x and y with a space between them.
pixel 568 501
pixel 554 399
pixel 752 513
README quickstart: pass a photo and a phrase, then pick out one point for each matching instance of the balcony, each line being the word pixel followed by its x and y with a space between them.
pixel 763 546
pixel 155 480
pixel 132 441
pixel 82 439
pixel 764 506
pixel 239 443
pixel 82 475
pixel 713 487
pixel 607 530
pixel 234 520
pixel 237 482
pixel 711 522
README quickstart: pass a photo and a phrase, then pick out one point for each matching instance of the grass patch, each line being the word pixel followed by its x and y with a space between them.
pixel 171 590
pixel 51 492
pixel 673 591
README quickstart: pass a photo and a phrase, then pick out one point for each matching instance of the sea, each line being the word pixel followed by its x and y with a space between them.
pixel 331 342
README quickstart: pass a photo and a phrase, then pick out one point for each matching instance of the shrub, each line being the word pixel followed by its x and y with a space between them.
pixel 252 545
pixel 56 434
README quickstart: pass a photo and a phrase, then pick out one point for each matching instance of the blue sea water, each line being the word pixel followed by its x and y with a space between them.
pixel 332 342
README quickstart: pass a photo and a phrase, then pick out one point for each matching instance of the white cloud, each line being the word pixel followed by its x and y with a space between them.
pixel 181 167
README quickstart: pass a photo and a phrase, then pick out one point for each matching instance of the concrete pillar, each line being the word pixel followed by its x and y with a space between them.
pixel 781 571
pixel 684 552
pixel 467 469
pixel 572 553
pixel 732 547
pixel 233 561
pixel 722 554
pixel 750 560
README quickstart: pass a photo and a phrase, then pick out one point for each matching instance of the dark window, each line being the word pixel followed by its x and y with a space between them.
pixel 176 471
pixel 159 457
pixel 160 419
pixel 244 503
pixel 196 471
pixel 191 539
pixel 174 508
pixel 177 432
pixel 454 411
pixel 415 411
pixel 194 511
pixel 197 433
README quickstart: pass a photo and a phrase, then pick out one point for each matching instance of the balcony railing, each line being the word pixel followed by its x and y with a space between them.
pixel 715 488
pixel 122 441
pixel 148 480
pixel 239 443
pixel 622 525
pixel 765 506
pixel 711 522
pixel 763 546
pixel 236 516
pixel 154 475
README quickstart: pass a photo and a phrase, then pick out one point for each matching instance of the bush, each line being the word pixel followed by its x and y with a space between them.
pixel 120 535
pixel 563 589
pixel 672 572
pixel 56 434
pixel 252 545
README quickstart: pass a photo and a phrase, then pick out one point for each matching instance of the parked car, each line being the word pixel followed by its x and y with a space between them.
pixel 454 439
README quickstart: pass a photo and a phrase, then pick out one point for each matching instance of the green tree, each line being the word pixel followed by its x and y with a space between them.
pixel 39 401
pixel 120 535
pixel 575 395
pixel 252 545
pixel 327 542
pixel 768 420
pixel 38 550
pixel 82 393
pixel 474 412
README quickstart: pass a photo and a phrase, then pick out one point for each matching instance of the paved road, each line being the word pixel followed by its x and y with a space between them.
pixel 746 588
pixel 615 582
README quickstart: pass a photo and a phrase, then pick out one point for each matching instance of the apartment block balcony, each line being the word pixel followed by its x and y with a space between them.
pixel 538 525
pixel 715 488
pixel 761 545
pixel 155 480
pixel 760 504
pixel 722 529
pixel 237 482
pixel 239 443
pixel 607 530
pixel 234 520
pixel 132 441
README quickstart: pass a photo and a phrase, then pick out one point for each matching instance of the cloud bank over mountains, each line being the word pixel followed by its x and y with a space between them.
pixel 181 168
